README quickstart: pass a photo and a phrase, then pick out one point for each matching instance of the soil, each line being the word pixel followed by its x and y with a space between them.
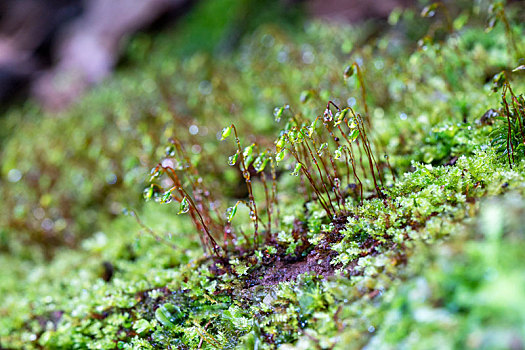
pixel 317 260
pixel 281 267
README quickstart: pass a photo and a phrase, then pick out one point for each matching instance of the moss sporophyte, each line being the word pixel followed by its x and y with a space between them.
pixel 322 151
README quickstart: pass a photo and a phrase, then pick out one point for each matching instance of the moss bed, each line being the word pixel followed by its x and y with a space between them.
pixel 431 258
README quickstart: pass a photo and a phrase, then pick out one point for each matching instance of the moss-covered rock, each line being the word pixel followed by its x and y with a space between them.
pixel 433 255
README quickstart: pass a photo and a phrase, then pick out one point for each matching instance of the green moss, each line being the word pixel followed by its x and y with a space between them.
pixel 436 260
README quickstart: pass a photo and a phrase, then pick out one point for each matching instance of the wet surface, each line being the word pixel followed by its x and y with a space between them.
pixel 282 267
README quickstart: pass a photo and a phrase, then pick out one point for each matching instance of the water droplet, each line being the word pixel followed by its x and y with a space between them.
pixel 403 116
pixel 328 116
pixel 194 129
pixel 267 40
pixel 305 96
pixel 170 151
pixel 196 149
pixel 282 56
pixel 39 213
pixel 308 57
pixel 14 175
pixel 205 87
pixel 47 224
pixel 111 179
pixel 167 163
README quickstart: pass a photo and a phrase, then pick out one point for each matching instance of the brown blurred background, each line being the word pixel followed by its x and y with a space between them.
pixel 53 50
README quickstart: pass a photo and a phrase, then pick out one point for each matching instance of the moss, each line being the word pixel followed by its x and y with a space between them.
pixel 432 256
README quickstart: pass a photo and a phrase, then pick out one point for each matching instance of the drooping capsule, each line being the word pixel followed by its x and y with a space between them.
pixel 338 153
pixel 280 155
pixel 278 113
pixel 184 206
pixel 297 169
pixel 353 135
pixel 226 132
pixel 231 211
pixel 232 160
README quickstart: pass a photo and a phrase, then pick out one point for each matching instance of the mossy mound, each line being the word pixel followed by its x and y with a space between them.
pixel 433 258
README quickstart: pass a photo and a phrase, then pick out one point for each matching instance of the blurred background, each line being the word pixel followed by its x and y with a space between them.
pixel 54 50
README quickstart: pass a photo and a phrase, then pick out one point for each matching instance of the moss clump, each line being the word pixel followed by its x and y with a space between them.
pixel 419 259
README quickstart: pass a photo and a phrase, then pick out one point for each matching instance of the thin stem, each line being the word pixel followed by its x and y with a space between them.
pixel 149 230
pixel 363 92
pixel 320 174
pixel 208 234
pixel 307 174
pixel 178 185
pixel 268 203
pixel 350 153
pixel 247 179
pixel 390 167
pixel 274 191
